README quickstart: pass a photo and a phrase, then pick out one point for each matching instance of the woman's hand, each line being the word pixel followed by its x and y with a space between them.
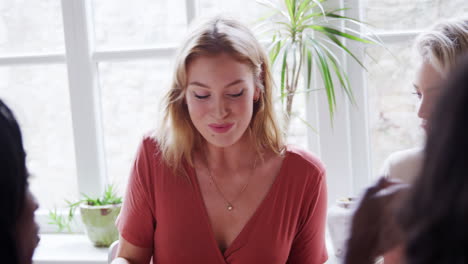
pixel 127 253
pixel 120 261
pixel 374 228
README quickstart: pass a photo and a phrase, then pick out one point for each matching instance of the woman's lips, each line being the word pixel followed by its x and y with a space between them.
pixel 424 124
pixel 221 128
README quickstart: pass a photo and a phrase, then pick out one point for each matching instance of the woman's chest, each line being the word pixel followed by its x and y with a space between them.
pixel 232 205
pixel 260 225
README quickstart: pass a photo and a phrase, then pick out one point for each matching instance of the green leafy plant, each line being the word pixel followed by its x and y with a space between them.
pixel 302 34
pixel 63 222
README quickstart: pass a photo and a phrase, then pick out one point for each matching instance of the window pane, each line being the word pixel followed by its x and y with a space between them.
pixel 120 23
pixel 131 92
pixel 247 11
pixel 39 97
pixel 393 119
pixel 414 14
pixel 30 26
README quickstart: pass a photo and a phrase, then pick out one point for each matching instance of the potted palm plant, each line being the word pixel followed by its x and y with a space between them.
pixel 97 214
pixel 303 34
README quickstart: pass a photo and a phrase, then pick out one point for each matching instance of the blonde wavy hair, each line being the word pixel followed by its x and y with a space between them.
pixel 443 44
pixel 178 137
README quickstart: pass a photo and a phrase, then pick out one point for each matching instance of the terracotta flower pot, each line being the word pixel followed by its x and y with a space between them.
pixel 100 223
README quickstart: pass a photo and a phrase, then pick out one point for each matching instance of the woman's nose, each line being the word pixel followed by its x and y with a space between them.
pixel 423 109
pixel 33 199
pixel 221 108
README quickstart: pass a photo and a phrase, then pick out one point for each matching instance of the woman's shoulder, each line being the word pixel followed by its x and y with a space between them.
pixel 404 165
pixel 149 141
pixel 406 153
pixel 304 173
pixel 149 158
pixel 150 147
pixel 303 160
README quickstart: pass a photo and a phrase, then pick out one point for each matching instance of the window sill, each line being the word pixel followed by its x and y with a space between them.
pixel 68 249
pixel 332 258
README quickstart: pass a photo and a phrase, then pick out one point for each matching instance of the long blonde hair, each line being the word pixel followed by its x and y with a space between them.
pixel 178 137
pixel 444 43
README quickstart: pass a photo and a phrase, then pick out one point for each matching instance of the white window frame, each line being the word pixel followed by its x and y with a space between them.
pixel 82 58
pixel 345 148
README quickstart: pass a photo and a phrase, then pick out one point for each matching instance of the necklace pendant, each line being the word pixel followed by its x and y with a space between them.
pixel 229 207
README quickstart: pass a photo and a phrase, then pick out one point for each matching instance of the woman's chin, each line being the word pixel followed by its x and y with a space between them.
pixel 222 141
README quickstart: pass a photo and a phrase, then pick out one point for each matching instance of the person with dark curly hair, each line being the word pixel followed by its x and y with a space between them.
pixel 18 230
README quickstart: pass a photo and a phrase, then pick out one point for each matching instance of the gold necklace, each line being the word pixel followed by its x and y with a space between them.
pixel 229 204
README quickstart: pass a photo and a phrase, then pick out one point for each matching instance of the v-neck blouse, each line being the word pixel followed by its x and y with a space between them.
pixel 166 212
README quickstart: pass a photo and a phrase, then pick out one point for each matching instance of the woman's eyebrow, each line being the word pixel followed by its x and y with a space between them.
pixel 196 83
pixel 199 84
pixel 234 83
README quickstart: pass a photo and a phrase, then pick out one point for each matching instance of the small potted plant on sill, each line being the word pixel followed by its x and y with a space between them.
pixel 97 214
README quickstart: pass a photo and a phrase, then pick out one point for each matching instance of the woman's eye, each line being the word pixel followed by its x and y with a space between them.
pixel 418 94
pixel 238 94
pixel 201 96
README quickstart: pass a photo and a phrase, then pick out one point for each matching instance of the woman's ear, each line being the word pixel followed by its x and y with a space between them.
pixel 256 94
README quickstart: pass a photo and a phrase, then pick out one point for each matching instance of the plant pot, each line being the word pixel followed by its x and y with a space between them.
pixel 100 223
pixel 339 224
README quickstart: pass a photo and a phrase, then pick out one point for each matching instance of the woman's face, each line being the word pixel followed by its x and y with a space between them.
pixel 27 229
pixel 428 90
pixel 220 96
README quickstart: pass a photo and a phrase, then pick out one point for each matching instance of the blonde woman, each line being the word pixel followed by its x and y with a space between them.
pixel 440 48
pixel 217 184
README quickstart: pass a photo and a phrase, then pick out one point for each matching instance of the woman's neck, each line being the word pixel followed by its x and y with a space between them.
pixel 238 156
